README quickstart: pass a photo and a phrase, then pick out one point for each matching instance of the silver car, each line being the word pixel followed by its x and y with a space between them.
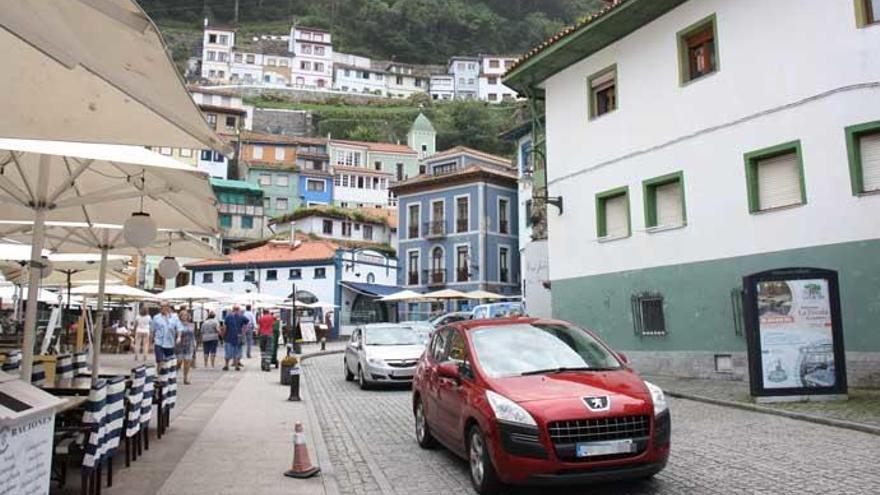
pixel 383 353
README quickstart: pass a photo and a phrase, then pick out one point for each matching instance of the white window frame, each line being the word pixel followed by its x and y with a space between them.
pixel 257 152
pixel 418 206
pixel 264 179
pixel 282 180
pixel 279 153
pixel 278 204
pixel 498 201
pixel 455 262
pixel 509 263
pixel 323 185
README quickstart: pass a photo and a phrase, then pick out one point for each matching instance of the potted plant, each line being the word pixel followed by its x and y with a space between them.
pixel 286 364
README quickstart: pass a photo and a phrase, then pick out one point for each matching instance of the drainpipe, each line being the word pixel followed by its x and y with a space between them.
pixel 337 296
pixel 481 197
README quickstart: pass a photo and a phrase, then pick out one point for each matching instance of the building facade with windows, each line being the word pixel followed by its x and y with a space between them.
pixel 315 176
pixel 217 45
pixel 363 171
pixel 312 51
pixel 490 87
pixel 365 225
pixel 241 215
pixel 688 156
pixel 458 224
pixel 465 72
pixel 270 163
pixel 321 270
pixel 442 87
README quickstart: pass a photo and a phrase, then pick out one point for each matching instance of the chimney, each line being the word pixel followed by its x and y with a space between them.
pixel 206 22
pixel 293 243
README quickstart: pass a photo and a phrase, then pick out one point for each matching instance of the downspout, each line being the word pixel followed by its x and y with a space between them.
pixel 337 296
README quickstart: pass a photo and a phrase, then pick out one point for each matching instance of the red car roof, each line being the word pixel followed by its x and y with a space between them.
pixel 497 322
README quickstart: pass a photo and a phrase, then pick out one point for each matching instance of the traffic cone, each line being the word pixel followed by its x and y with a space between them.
pixel 302 465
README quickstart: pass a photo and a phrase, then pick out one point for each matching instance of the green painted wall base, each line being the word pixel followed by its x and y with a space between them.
pixel 697 302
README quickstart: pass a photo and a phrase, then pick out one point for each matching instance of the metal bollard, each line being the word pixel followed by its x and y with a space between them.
pixel 294 384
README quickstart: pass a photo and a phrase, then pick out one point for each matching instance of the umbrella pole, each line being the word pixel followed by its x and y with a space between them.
pixel 99 319
pixel 30 315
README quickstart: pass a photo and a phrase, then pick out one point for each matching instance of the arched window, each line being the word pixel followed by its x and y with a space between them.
pixel 371 279
pixel 437 259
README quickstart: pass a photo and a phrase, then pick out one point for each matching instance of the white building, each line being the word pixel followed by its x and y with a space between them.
pixel 492 68
pixel 313 58
pixel 442 87
pixel 362 80
pixel 702 141
pixel 405 80
pixel 465 72
pixel 369 225
pixel 217 43
pixel 246 67
pixel 215 97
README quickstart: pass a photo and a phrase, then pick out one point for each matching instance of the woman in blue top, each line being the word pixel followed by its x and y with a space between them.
pixel 186 343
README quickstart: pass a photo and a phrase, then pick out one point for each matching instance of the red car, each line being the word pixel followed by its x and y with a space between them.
pixel 530 401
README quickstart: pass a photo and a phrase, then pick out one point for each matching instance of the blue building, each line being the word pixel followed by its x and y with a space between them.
pixel 315 178
pixel 458 226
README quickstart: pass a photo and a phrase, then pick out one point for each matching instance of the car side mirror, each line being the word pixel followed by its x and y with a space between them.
pixel 449 370
pixel 623 357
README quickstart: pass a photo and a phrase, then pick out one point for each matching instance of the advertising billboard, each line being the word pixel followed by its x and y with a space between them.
pixel 794 335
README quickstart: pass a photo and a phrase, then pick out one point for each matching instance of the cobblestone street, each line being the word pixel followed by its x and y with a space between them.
pixel 716 450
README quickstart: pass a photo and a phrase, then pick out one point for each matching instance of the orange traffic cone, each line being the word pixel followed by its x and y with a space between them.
pixel 302 465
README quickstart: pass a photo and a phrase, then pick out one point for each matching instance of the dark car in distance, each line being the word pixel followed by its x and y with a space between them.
pixel 528 401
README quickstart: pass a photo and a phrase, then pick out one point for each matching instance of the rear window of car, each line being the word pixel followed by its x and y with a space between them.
pixel 513 350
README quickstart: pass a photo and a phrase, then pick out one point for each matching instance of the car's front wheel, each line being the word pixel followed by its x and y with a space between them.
pixel 362 380
pixel 423 431
pixel 483 475
pixel 349 376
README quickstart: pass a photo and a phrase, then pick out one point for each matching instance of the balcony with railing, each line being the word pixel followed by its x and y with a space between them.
pixel 412 278
pixel 413 232
pixel 435 277
pixel 462 275
pixel 435 229
pixel 461 225
pixel 504 276
pixel 503 227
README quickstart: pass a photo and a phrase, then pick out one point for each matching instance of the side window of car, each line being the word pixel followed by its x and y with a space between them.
pixel 438 345
pixel 457 348
pixel 356 336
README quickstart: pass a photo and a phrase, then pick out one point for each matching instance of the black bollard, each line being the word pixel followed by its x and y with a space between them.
pixel 294 384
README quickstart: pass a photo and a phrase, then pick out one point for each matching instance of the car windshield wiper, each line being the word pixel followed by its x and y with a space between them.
pixel 558 370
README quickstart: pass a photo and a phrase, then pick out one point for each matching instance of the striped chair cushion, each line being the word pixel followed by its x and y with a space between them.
pixel 95 414
pixel 149 388
pixel 134 399
pixel 13 360
pixel 171 389
pixel 115 418
pixel 80 363
pixel 64 367
pixel 38 373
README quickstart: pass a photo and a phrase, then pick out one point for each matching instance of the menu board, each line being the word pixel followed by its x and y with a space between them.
pixel 26 454
pixel 794 333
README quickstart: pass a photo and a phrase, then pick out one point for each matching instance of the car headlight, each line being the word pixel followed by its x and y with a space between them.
pixel 509 411
pixel 657 397
pixel 376 362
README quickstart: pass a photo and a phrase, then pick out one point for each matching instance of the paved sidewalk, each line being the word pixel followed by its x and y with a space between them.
pixel 861 410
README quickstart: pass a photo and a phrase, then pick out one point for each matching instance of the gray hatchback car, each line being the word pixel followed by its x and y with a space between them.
pixel 383 353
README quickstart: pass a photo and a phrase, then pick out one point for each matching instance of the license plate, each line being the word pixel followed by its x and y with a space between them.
pixel 610 447
pixel 405 373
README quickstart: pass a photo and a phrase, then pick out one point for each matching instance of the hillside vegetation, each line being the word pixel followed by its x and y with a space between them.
pixel 416 31
pixel 472 123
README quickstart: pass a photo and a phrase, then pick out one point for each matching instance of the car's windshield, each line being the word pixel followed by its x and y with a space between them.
pixel 524 349
pixel 392 336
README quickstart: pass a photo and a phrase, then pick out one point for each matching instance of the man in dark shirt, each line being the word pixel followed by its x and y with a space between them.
pixel 235 324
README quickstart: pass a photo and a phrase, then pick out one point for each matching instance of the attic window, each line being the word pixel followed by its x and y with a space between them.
pixel 603 92
pixel 698 50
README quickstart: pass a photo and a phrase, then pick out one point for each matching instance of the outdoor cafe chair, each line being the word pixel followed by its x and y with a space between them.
pixel 133 400
pixel 64 367
pixel 80 362
pixel 115 422
pixel 12 361
pixel 84 442
pixel 147 406
pixel 38 373
pixel 167 393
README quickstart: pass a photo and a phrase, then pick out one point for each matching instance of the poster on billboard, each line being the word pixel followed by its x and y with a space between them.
pixel 795 340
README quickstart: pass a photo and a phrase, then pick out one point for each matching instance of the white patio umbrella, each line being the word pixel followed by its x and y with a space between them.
pixel 64 237
pixel 482 294
pixel 255 297
pixel 322 305
pixel 191 294
pixel 446 294
pixel 94 71
pixel 404 295
pixel 116 290
pixel 7 293
pixel 93 183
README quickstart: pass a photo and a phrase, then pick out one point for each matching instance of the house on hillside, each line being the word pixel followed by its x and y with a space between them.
pixel 365 225
pixel 697 142
pixel 217 46
pixel 490 87
pixel 312 50
pixel 270 162
pixel 465 72
pixel 362 171
pixel 241 211
pixel 459 226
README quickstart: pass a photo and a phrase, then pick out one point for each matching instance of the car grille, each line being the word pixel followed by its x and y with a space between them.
pixel 599 429
pixel 408 363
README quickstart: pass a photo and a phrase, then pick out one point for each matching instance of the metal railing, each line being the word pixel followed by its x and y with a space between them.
pixel 435 277
pixel 435 228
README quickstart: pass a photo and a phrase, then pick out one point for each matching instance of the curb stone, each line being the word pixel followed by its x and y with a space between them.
pixel 838 423
pixel 321 452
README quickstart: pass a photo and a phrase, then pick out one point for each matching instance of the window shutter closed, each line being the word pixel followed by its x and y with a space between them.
pixel 778 182
pixel 669 209
pixel 616 224
pixel 869 148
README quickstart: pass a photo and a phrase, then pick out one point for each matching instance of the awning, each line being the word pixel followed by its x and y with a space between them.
pixel 371 290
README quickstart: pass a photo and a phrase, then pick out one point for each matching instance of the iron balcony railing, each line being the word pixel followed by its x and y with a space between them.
pixel 435 277
pixel 435 228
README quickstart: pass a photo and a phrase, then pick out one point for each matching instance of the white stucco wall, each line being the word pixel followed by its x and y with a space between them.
pixel 788 70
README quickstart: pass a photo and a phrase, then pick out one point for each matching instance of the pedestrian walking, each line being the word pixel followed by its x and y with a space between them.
pixel 234 337
pixel 251 327
pixel 266 324
pixel 210 337
pixel 142 334
pixel 186 343
pixel 165 327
